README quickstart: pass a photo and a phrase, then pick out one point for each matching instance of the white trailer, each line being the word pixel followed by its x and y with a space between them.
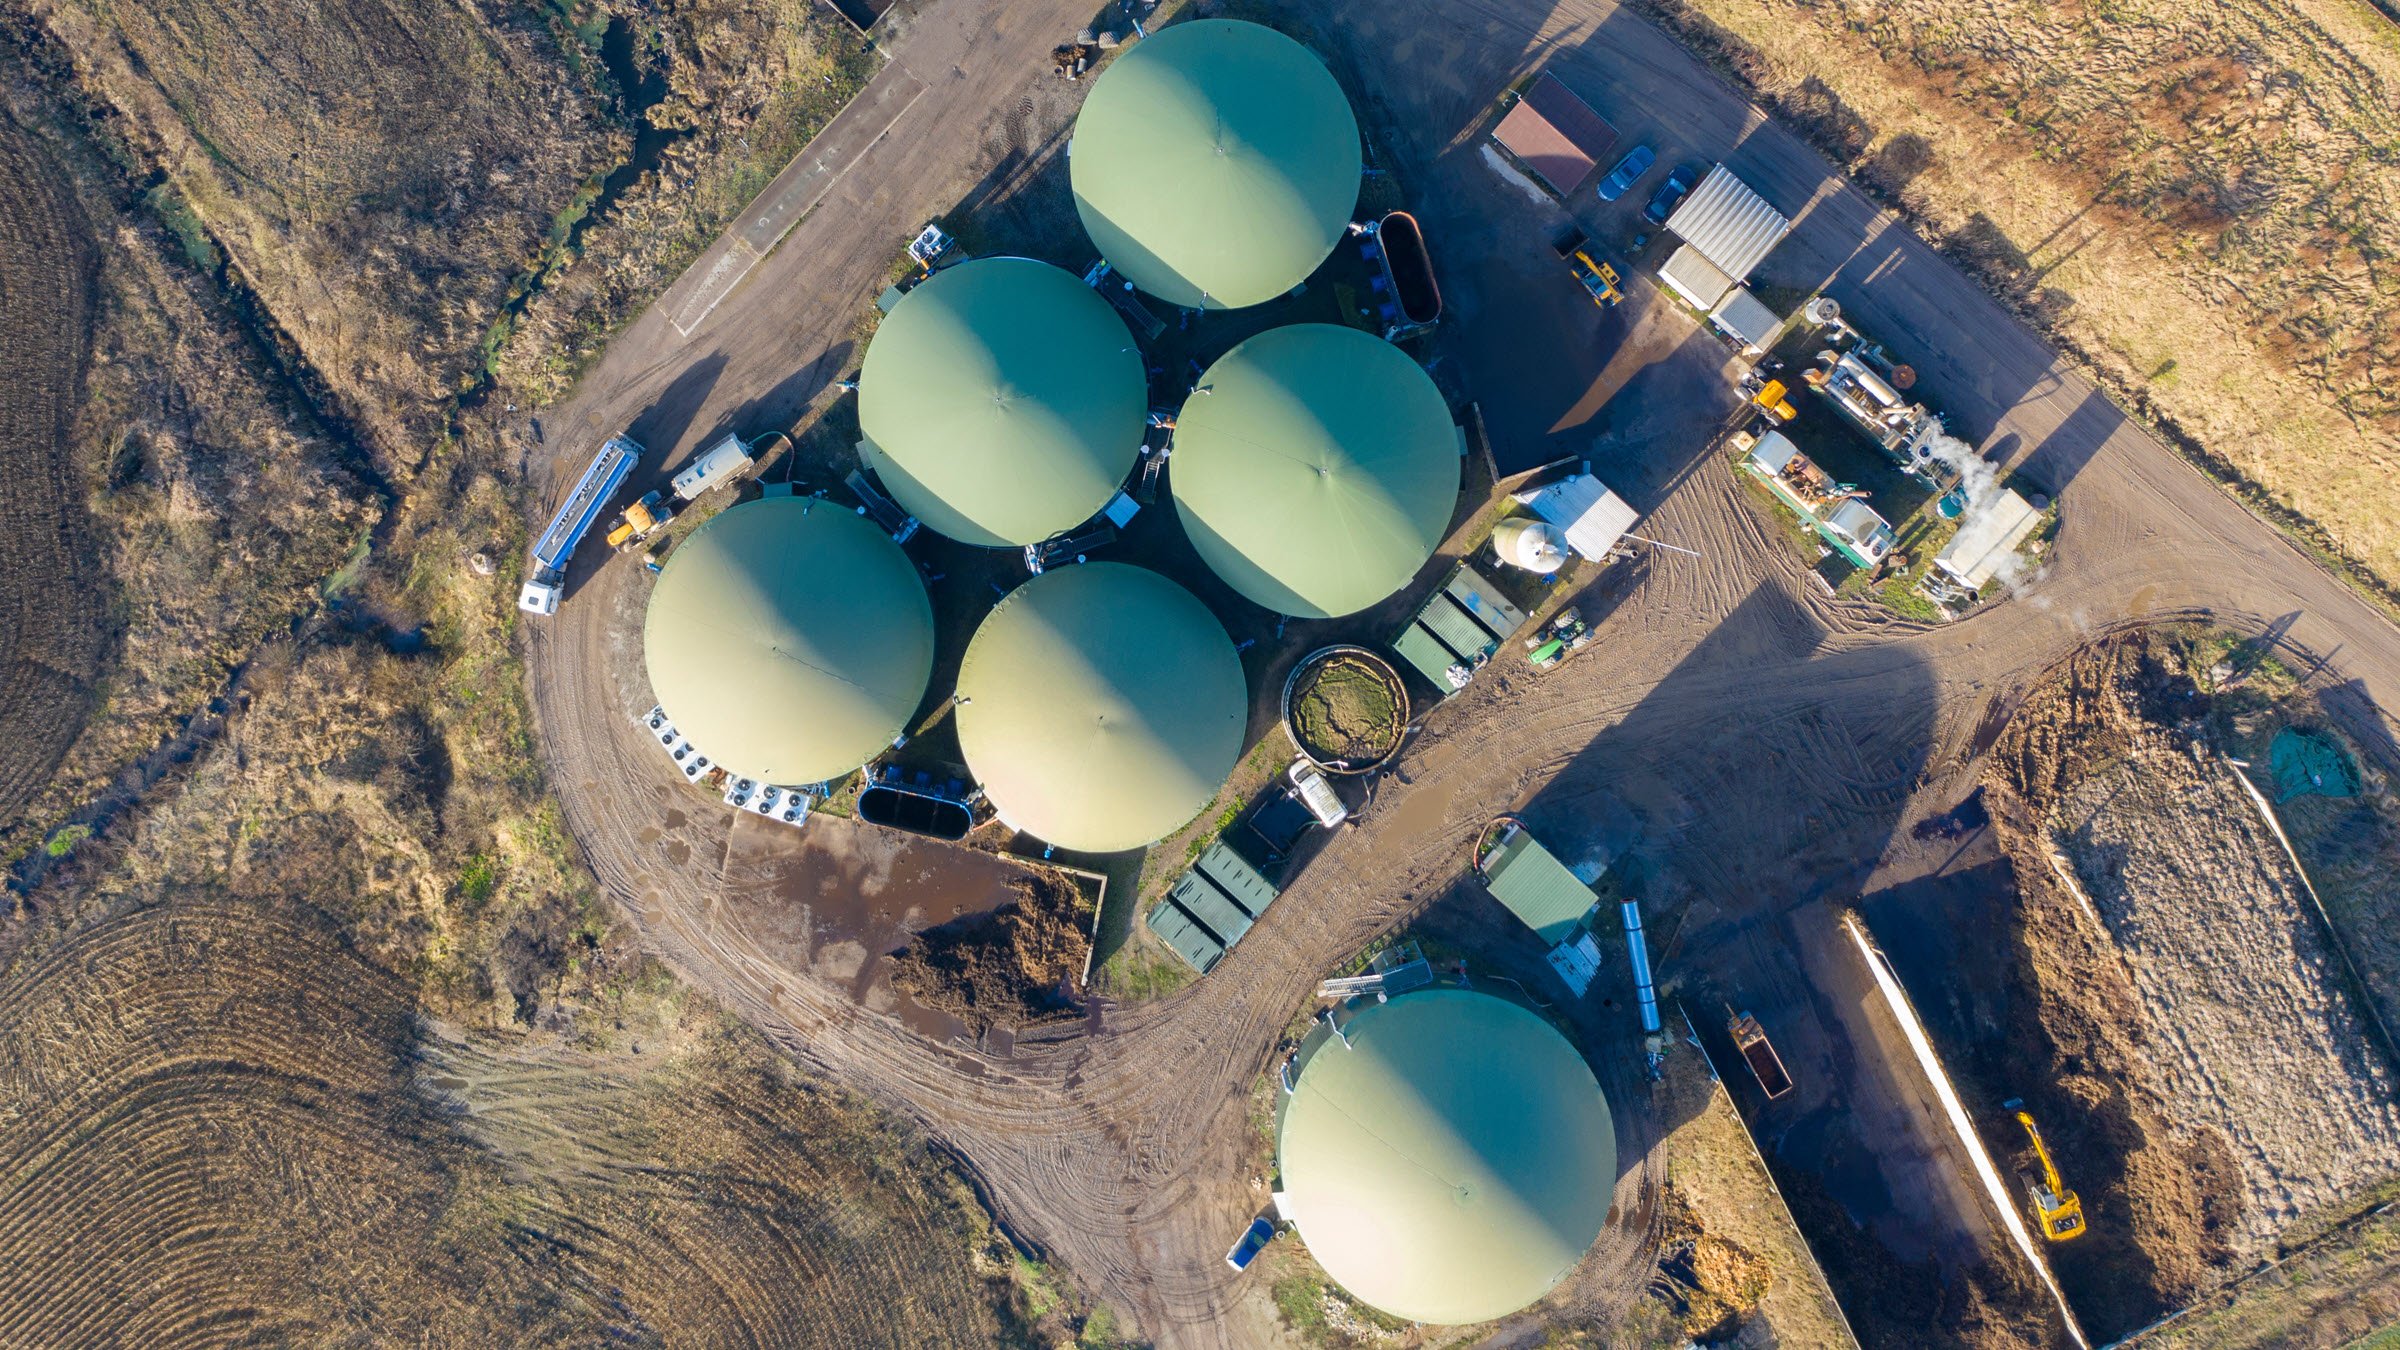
pixel 546 586
pixel 721 463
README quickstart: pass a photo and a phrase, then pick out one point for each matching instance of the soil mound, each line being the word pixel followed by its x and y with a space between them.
pixel 2168 990
pixel 1014 965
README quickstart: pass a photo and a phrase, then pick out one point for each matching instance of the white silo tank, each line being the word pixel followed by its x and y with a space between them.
pixel 1535 545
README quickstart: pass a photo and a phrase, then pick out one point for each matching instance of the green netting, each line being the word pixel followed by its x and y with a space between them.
pixel 2306 761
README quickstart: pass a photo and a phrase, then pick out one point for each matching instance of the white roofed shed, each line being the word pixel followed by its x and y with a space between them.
pixel 1988 538
pixel 1691 275
pixel 1593 517
pixel 1732 226
pixel 1747 320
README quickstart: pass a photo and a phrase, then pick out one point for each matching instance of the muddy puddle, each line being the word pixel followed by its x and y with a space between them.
pixel 1427 804
pixel 839 898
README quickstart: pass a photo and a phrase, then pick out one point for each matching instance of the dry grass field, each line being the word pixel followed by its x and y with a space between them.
pixel 747 84
pixel 210 501
pixel 2200 200
pixel 377 171
pixel 53 634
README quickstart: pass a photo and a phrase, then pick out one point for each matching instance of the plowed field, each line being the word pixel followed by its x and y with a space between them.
pixel 217 1125
pixel 52 637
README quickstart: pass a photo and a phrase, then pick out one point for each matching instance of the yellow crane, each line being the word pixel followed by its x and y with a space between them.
pixel 2057 1209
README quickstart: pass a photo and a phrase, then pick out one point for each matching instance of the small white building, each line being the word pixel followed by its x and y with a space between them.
pixel 1593 517
pixel 1691 275
pixel 1747 320
pixel 1988 538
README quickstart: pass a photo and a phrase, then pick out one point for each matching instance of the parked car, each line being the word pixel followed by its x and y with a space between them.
pixel 1629 171
pixel 1670 195
pixel 1253 1240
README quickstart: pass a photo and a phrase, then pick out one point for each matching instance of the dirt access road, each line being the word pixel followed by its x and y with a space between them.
pixel 1770 742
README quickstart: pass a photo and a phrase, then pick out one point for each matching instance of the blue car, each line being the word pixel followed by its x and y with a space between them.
pixel 1629 170
pixel 1254 1240
pixel 1670 195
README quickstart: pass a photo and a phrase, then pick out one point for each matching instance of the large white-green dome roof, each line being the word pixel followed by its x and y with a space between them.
pixel 789 639
pixel 1315 469
pixel 1100 706
pixel 1452 1162
pixel 1215 163
pixel 1002 401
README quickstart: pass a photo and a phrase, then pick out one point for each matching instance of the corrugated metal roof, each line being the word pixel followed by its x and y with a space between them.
pixel 1731 225
pixel 1208 904
pixel 1989 538
pixel 1593 517
pixel 1746 317
pixel 1536 887
pixel 1478 596
pixel 1187 939
pixel 1241 882
pixel 1556 134
pixel 1422 650
pixel 1695 278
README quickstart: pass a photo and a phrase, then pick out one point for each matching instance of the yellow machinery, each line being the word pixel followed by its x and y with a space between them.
pixel 2059 1210
pixel 639 522
pixel 1771 398
pixel 1597 277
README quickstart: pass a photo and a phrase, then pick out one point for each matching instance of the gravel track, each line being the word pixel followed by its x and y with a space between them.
pixel 1769 737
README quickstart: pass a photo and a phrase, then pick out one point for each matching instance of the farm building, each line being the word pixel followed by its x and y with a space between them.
pixel 1447 1155
pixel 1315 469
pixel 1535 885
pixel 1100 706
pixel 1555 134
pixel 1988 539
pixel 1002 401
pixel 1747 320
pixel 789 639
pixel 1593 517
pixel 1215 163
pixel 1691 275
pixel 1729 228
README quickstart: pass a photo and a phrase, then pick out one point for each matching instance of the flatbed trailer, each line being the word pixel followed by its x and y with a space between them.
pixel 584 505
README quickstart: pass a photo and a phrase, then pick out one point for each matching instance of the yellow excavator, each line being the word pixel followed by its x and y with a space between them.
pixel 2058 1210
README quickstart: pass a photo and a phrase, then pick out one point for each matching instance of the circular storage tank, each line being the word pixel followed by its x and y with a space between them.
pixel 1453 1162
pixel 1535 545
pixel 1315 469
pixel 1002 401
pixel 1215 163
pixel 789 639
pixel 1100 706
